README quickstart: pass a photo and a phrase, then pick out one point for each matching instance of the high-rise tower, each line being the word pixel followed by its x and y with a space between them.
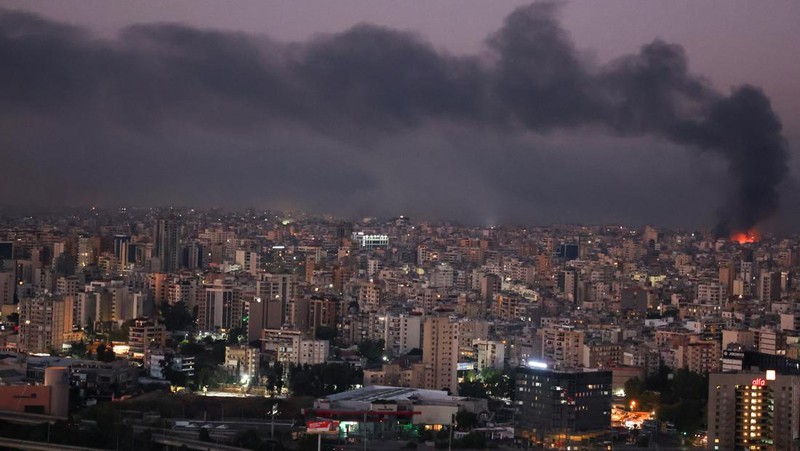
pixel 168 244
pixel 440 353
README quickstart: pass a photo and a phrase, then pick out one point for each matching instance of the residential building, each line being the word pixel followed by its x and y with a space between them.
pixel 440 352
pixel 44 320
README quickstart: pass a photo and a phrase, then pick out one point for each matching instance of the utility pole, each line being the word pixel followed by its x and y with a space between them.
pixel 365 430
pixel 450 438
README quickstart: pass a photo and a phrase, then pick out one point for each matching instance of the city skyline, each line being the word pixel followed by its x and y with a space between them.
pixel 589 335
pixel 112 123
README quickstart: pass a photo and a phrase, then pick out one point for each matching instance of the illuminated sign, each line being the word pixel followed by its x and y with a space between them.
pixel 732 354
pixel 537 364
pixel 770 375
pixel 758 382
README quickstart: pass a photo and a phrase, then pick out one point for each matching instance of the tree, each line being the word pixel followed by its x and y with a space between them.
pixel 279 383
pixel 473 440
pixel 176 316
pixel 209 376
pixel 634 388
pixel 273 376
pixel 121 334
pixel 372 350
pixel 249 439
pixel 105 353
pixel 683 399
pixel 78 349
pixel 466 420
pixel 323 379
pixel 325 333
pixel 277 372
pixel 472 389
pixel 498 384
pixel 236 336
pixel 192 349
pixel 204 435
pixel 174 375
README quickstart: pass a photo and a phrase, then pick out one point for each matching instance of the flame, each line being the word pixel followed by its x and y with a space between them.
pixel 750 236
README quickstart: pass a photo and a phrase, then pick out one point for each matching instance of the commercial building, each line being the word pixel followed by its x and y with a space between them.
pixel 389 411
pixel 558 408
pixel 753 411
pixel 52 398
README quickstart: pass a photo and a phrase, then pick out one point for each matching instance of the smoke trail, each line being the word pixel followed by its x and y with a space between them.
pixel 542 79
pixel 368 81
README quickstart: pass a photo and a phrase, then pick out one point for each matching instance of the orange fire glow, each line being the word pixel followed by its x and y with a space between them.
pixel 750 236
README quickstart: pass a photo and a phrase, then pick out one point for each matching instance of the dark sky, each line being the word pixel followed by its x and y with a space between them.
pixel 584 112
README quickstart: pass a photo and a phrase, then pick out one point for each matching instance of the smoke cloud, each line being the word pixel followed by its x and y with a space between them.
pixel 155 81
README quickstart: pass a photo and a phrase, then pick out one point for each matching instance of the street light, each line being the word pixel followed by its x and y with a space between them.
pixel 272 424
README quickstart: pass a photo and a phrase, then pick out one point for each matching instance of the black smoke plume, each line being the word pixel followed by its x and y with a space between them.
pixel 368 81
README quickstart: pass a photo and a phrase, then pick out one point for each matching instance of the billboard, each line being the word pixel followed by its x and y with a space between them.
pixel 466 366
pixel 322 427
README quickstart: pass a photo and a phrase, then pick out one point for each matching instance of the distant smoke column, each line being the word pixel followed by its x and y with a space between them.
pixel 543 80
pixel 745 130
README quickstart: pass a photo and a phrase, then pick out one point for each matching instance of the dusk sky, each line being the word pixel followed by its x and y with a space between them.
pixel 663 112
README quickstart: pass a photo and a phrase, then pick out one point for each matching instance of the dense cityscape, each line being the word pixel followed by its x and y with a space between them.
pixel 370 225
pixel 134 328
